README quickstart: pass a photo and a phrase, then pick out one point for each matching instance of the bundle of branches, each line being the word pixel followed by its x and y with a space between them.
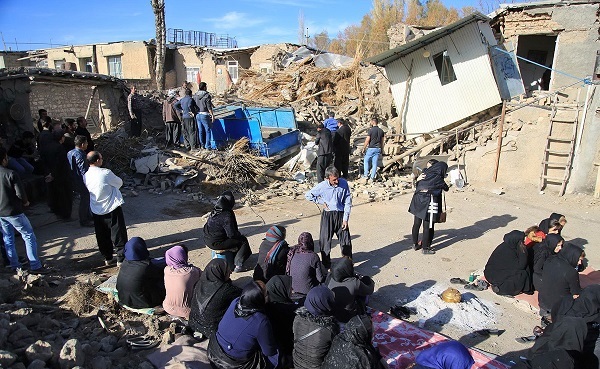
pixel 117 151
pixel 240 166
pixel 83 298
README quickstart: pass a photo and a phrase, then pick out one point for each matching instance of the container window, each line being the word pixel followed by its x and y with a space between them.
pixel 443 64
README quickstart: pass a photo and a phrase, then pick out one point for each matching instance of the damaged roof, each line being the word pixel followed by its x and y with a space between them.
pixel 51 74
pixel 538 4
pixel 391 55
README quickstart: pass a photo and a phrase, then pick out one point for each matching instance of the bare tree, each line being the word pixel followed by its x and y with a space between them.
pixel 301 38
pixel 158 6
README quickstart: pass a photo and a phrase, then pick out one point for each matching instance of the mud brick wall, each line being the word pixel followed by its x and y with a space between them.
pixel 62 100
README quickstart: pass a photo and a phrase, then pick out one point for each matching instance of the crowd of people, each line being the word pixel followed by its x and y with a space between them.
pixel 539 259
pixel 300 310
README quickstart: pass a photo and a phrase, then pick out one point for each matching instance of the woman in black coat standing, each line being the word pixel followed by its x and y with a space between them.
pixel 560 277
pixel 430 185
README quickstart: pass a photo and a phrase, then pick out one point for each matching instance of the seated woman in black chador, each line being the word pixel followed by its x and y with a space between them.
pixel 429 189
pixel 212 296
pixel 352 349
pixel 281 311
pixel 560 277
pixel 551 245
pixel 350 290
pixel 221 231
pixel 140 282
pixel 546 226
pixel 508 269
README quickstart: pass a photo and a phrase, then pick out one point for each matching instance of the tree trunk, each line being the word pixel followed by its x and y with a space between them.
pixel 158 6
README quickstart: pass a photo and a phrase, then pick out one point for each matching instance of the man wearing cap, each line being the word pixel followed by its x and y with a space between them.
pixel 171 118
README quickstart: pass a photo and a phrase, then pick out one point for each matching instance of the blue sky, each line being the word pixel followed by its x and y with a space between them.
pixel 251 22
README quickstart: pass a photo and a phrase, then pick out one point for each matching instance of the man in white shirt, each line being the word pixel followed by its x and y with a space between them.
pixel 105 204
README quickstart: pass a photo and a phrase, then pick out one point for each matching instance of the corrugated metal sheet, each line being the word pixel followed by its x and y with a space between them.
pixel 431 106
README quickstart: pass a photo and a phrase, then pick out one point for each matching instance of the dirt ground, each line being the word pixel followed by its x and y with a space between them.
pixel 477 220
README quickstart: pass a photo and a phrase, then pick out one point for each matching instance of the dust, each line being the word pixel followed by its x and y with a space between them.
pixel 469 315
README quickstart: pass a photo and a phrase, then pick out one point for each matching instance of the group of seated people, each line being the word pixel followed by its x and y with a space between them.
pixel 293 314
pixel 540 260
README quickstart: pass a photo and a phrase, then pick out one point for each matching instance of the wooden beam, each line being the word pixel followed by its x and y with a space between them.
pixel 500 131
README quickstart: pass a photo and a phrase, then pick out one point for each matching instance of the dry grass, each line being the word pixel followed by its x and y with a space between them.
pixel 83 298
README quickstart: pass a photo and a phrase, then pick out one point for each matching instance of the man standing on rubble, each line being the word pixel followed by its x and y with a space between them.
pixel 105 204
pixel 172 122
pixel 205 116
pixel 331 123
pixel 325 151
pixel 334 194
pixel 12 200
pixel 82 130
pixel 79 166
pixel 187 109
pixel 372 149
pixel 135 113
pixel 341 146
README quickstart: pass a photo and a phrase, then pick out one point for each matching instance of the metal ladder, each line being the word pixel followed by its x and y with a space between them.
pixel 560 158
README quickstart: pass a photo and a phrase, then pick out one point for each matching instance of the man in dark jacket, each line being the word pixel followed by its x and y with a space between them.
pixel 187 109
pixel 12 200
pixel 205 116
pixel 56 169
pixel 341 145
pixel 79 166
pixel 135 113
pixel 171 119
pixel 82 130
pixel 325 151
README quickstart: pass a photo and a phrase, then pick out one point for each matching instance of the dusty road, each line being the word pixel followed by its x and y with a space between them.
pixel 381 244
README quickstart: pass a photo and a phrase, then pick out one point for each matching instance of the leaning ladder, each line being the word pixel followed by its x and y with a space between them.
pixel 560 158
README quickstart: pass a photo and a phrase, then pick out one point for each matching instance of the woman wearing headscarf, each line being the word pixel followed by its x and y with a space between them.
pixel 350 290
pixel 428 190
pixel 541 252
pixel 245 338
pixel 352 349
pixel 586 307
pixel 304 266
pixel 281 311
pixel 559 347
pixel 314 329
pixel 221 231
pixel 545 225
pixel 445 355
pixel 140 282
pixel 560 277
pixel 508 269
pixel 272 254
pixel 180 278
pixel 212 296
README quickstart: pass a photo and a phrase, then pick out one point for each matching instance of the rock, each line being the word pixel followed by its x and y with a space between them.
pixel 34 279
pixel 40 350
pixel 498 191
pixel 18 366
pixel 3 336
pixel 71 355
pixel 7 358
pixel 108 343
pixel 20 304
pixel 145 365
pixel 120 352
pixel 37 364
pixel 167 338
pixel 101 362
pixel 21 338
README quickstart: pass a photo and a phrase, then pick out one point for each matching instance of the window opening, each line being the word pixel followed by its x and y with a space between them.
pixel 444 67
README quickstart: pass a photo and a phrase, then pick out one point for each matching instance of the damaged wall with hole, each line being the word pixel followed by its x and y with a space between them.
pixel 574 25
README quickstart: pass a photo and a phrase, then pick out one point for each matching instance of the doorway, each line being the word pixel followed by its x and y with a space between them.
pixel 539 49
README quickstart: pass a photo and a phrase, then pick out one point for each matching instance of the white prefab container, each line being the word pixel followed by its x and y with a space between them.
pixel 444 76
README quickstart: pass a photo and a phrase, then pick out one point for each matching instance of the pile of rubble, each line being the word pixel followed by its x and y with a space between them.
pixel 36 335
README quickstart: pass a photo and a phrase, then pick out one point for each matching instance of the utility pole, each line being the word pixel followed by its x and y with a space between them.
pixel 307 36
pixel 3 43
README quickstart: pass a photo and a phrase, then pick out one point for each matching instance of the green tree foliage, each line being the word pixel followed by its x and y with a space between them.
pixel 369 37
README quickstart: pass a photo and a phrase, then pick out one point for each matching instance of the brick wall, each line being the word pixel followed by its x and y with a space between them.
pixel 62 100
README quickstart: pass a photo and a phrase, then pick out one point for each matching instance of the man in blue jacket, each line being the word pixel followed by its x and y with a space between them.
pixel 79 166
pixel 187 108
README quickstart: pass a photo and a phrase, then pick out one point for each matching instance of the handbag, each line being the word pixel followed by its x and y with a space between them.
pixel 443 214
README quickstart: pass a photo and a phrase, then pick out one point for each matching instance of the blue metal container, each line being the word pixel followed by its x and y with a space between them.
pixel 273 132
